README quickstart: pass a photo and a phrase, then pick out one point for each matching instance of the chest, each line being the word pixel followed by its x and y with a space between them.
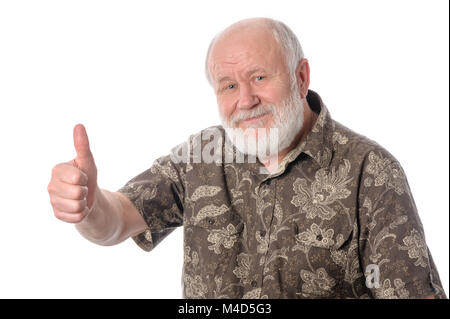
pixel 295 234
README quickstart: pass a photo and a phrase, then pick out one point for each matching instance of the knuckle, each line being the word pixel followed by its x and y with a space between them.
pixel 76 177
pixel 50 188
pixel 53 201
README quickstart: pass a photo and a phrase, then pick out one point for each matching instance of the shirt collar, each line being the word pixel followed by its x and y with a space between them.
pixel 318 144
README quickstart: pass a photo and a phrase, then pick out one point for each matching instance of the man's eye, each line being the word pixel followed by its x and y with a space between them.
pixel 231 86
pixel 259 78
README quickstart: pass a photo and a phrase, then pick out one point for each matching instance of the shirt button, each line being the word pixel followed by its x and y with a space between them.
pixel 262 233
pixel 319 237
pixel 211 221
pixel 254 283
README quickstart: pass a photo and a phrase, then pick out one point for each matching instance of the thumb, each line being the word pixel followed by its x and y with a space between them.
pixel 81 142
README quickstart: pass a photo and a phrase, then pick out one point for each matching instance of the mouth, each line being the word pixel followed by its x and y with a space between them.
pixel 255 119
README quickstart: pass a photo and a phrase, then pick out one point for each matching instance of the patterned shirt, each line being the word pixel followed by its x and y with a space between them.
pixel 335 220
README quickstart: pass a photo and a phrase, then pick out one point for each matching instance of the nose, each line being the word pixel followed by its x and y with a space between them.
pixel 247 98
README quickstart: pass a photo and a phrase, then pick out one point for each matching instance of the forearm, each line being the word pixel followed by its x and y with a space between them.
pixel 104 225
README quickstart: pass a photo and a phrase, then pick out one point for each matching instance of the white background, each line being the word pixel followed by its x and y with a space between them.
pixel 132 72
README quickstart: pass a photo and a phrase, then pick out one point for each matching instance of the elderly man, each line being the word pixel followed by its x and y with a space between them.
pixel 328 214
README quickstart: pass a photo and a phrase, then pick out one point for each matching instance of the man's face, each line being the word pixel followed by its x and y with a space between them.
pixel 253 85
pixel 248 71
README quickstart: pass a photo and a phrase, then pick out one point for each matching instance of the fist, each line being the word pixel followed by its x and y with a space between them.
pixel 73 184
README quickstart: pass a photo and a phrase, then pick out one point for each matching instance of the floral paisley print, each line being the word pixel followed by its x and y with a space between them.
pixel 335 220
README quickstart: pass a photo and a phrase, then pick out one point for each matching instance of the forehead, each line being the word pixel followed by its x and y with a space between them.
pixel 244 50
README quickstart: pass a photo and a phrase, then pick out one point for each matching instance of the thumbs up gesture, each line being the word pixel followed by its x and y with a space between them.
pixel 73 184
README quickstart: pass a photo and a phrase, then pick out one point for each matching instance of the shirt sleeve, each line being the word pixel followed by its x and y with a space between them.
pixel 393 252
pixel 158 195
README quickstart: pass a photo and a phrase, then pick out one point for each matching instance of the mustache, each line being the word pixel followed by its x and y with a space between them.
pixel 248 114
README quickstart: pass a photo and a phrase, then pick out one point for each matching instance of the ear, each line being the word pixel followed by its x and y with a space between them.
pixel 302 75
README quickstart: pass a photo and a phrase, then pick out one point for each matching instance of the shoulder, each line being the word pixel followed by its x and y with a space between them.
pixel 379 171
pixel 358 148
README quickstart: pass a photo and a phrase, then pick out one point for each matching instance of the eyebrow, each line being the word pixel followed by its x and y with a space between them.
pixel 255 70
pixel 223 78
pixel 248 73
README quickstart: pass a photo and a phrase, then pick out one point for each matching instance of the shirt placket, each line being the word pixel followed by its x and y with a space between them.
pixel 262 228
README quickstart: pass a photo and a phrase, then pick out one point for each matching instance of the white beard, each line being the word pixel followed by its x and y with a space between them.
pixel 267 143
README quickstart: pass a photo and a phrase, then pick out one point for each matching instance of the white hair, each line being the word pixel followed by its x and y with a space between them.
pixel 288 41
pixel 287 123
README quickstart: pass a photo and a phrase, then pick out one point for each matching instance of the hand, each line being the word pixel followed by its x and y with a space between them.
pixel 73 184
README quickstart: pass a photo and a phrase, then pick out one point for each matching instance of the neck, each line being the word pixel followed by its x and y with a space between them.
pixel 310 118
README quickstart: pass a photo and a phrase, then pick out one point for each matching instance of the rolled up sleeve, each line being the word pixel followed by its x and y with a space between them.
pixel 158 195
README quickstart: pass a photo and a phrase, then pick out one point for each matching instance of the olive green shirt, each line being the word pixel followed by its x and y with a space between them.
pixel 336 219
